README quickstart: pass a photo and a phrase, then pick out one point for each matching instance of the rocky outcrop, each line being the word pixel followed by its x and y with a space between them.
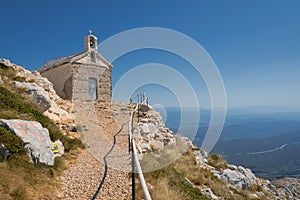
pixel 151 133
pixel 238 177
pixel 289 187
pixel 1 81
pixel 35 137
pixel 201 157
pixel 241 178
pixel 36 93
pixel 58 110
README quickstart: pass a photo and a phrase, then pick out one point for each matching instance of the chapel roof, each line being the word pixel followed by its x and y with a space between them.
pixel 91 45
pixel 62 60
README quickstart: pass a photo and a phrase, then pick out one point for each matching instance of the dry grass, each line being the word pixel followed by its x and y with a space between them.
pixel 19 178
pixel 216 161
pixel 170 182
pixel 25 182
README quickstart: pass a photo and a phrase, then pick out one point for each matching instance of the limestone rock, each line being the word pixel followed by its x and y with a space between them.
pixel 1 81
pixel 38 94
pixel 146 147
pixel 201 157
pixel 153 128
pixel 35 137
pixel 60 110
pixel 59 115
pixel 207 191
pixel 156 145
pixel 248 174
pixel 58 148
pixel 289 187
pixel 144 129
pixel 241 178
pixel 4 153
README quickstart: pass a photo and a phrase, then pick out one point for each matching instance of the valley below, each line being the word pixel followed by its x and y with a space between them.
pixel 266 142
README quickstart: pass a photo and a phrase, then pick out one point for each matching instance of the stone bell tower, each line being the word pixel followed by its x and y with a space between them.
pixel 90 42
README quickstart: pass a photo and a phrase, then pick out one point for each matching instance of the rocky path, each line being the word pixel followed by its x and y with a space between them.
pixel 97 126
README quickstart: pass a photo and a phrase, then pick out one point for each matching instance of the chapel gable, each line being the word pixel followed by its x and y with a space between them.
pixel 82 76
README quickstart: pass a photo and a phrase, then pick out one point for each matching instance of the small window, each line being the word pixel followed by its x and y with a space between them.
pixel 92 89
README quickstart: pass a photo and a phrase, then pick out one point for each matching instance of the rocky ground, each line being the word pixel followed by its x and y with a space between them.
pixel 82 179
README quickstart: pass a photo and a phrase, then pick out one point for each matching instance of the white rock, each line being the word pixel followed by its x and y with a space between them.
pixel 35 137
pixel 240 179
pixel 38 94
pixel 248 174
pixel 156 145
pixel 207 191
pixel 144 129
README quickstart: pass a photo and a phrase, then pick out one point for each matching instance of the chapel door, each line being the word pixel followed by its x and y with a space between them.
pixel 92 89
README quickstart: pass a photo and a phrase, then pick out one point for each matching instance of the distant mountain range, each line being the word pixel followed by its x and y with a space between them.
pixel 265 139
pixel 273 157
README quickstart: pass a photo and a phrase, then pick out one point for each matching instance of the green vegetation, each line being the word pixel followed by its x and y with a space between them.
pixel 216 161
pixel 14 106
pixel 23 179
pixel 12 143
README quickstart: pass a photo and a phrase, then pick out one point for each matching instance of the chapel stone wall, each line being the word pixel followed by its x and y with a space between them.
pixel 62 80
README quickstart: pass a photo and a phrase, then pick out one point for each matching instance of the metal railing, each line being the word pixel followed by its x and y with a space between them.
pixel 132 148
pixel 141 98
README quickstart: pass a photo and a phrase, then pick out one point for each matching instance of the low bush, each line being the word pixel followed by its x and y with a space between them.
pixel 11 142
pixel 216 161
pixel 19 107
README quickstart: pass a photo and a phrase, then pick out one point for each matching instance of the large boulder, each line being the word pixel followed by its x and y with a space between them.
pixel 248 174
pixel 37 93
pixel 239 178
pixel 35 137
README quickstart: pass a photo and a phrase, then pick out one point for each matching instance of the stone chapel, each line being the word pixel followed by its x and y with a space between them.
pixel 81 76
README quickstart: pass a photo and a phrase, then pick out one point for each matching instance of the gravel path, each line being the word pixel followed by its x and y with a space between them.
pixel 83 178
pixel 97 127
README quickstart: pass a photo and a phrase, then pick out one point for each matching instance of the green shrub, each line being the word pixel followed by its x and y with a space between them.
pixel 12 143
pixel 216 161
pixel 22 177
pixel 18 107
pixel 19 79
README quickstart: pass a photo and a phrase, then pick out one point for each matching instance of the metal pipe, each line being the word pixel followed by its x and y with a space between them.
pixel 139 171
pixel 133 175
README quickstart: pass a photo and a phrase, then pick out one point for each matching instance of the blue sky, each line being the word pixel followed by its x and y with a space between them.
pixel 255 44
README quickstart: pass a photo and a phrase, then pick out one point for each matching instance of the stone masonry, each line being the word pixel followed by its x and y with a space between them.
pixel 82 76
